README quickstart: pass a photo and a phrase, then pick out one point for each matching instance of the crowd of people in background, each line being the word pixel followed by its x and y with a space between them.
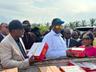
pixel 59 39
pixel 71 37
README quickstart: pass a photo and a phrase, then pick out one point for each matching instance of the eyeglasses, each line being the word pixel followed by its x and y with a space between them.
pixel 59 26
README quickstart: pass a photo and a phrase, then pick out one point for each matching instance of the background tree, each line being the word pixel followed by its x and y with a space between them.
pixel 72 25
pixel 43 28
pixel 76 23
pixel 92 22
pixel 83 23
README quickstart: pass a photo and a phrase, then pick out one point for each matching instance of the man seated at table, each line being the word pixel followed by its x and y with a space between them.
pixel 57 47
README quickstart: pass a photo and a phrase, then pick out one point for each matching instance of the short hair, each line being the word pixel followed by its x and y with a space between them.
pixel 15 24
pixel 26 22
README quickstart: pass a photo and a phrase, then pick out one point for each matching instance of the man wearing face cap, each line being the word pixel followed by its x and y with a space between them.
pixel 57 47
pixel 12 50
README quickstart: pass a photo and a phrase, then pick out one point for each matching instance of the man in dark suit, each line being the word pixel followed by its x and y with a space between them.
pixel 3 30
pixel 29 37
pixel 67 37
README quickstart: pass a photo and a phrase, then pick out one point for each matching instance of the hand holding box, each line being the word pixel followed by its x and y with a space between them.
pixel 38 51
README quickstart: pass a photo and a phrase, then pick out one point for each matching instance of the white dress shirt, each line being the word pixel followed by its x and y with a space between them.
pixel 57 46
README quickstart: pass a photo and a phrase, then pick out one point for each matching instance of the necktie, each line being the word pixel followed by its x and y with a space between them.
pixel 22 49
pixel 67 42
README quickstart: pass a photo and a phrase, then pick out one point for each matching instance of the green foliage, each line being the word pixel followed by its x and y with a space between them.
pixel 43 28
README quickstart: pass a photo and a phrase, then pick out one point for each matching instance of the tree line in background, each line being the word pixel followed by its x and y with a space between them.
pixel 83 23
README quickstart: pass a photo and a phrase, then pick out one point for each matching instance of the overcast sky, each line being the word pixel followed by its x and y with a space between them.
pixel 45 10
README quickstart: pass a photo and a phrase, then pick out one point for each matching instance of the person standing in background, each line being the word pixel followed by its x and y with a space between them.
pixel 67 38
pixel 3 30
pixel 75 35
pixel 29 37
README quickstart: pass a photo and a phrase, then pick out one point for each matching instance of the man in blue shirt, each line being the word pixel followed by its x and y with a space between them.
pixel 57 47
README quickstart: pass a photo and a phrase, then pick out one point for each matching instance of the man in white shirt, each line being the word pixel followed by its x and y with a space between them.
pixel 57 47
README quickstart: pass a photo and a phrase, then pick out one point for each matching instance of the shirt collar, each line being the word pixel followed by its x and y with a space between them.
pixel 2 34
pixel 55 34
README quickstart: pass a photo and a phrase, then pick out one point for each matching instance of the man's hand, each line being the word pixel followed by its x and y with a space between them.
pixel 70 54
pixel 32 61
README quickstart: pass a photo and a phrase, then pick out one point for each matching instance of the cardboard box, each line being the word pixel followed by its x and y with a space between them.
pixel 77 52
pixel 71 69
pixel 10 70
pixel 49 69
pixel 87 66
pixel 38 51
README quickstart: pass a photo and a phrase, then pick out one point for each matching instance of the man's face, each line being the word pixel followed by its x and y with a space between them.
pixel 19 32
pixel 67 34
pixel 75 35
pixel 27 27
pixel 57 28
pixel 4 29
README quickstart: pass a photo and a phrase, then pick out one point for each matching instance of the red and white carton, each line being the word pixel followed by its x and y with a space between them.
pixel 86 66
pixel 38 51
pixel 77 52
pixel 71 69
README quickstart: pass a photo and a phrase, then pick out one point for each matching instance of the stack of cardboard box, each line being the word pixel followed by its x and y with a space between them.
pixel 49 69
pixel 10 70
pixel 71 69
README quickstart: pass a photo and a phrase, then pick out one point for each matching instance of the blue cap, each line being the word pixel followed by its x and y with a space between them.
pixel 15 24
pixel 57 21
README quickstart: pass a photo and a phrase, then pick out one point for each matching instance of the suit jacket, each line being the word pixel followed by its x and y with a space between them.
pixel 27 40
pixel 72 43
pixel 11 55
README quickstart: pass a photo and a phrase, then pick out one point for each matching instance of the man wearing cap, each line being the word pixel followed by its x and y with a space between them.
pixel 57 47
pixel 12 50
